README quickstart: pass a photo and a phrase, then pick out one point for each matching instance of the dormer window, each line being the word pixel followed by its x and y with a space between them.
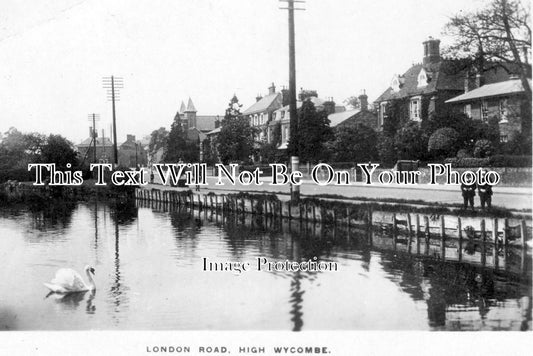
pixel 423 78
pixel 396 83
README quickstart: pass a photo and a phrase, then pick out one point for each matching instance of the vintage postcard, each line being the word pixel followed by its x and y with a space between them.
pixel 293 177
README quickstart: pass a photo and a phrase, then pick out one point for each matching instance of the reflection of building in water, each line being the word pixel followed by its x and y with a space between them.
pixel 459 296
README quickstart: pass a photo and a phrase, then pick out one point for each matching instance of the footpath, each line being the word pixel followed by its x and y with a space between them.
pixel 512 198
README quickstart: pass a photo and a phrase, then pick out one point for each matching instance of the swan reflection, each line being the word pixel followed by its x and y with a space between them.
pixel 72 301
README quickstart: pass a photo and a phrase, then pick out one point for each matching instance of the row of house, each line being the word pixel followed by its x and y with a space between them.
pixel 131 153
pixel 439 85
pixel 434 86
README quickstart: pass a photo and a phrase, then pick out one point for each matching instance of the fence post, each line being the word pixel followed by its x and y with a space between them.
pixel 460 235
pixel 442 238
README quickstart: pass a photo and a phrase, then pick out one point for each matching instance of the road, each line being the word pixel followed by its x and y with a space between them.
pixel 507 197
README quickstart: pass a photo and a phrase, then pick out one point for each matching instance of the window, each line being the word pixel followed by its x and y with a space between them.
pixel 395 83
pixel 468 110
pixel 484 110
pixel 422 78
pixel 382 114
pixel 415 109
pixel 261 119
pixel 503 138
pixel 503 110
pixel 282 114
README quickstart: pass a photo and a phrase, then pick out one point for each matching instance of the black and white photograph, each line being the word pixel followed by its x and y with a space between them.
pixel 294 177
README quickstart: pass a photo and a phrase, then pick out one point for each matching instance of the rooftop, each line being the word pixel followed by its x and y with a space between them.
pixel 508 87
pixel 271 100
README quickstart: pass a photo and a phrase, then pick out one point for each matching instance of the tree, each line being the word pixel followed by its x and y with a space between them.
pixel 178 146
pixel 60 151
pixel 410 142
pixel 236 138
pixel 397 114
pixel 443 142
pixel 158 140
pixel 353 102
pixel 497 35
pixel 313 132
pixel 355 143
pixel 385 149
pixel 17 149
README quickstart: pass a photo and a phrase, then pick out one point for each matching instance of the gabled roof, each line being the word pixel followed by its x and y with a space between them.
pixel 215 131
pixel 206 122
pixel 441 77
pixel 190 107
pixel 316 101
pixel 337 118
pixel 100 141
pixel 508 87
pixel 446 75
pixel 269 102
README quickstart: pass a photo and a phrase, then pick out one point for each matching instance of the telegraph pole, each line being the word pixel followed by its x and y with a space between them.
pixel 112 84
pixel 293 111
pixel 94 133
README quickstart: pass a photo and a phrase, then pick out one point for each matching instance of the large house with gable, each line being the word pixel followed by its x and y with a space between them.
pixel 426 87
pixel 261 112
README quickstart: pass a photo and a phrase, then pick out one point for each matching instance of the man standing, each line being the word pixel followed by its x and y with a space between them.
pixel 468 189
pixel 485 195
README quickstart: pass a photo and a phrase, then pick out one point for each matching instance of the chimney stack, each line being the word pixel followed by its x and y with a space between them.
pixel 431 51
pixel 480 80
pixel 363 101
pixel 272 89
pixel 258 97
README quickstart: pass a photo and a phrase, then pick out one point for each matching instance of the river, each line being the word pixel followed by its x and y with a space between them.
pixel 150 275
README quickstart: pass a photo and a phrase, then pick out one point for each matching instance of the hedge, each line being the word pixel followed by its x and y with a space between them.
pixel 493 161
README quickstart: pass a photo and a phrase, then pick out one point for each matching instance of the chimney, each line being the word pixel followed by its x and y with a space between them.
pixel 363 101
pixel 329 106
pixel 130 138
pixel 272 89
pixel 480 80
pixel 431 51
pixel 466 83
pixel 284 96
pixel 258 97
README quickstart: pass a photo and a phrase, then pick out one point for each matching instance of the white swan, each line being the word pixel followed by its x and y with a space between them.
pixel 67 280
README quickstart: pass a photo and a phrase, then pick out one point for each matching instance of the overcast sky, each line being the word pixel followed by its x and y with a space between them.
pixel 53 55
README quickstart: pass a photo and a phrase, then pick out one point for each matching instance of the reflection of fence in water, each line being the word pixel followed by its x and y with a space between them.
pixel 444 237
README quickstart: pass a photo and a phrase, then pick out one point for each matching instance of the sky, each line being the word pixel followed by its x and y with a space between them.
pixel 54 54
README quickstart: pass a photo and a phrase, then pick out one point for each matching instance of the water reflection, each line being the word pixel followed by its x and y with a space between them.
pixel 72 301
pixel 144 253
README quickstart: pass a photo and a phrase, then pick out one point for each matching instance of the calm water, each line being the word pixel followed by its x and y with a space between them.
pixel 149 276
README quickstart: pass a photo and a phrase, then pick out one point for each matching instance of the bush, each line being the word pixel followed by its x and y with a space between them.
pixel 494 161
pixel 468 162
pixel 463 153
pixel 443 142
pixel 483 148
pixel 18 174
pixel 510 161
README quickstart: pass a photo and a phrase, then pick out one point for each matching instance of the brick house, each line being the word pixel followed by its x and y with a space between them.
pixel 261 112
pixel 426 87
pixel 504 101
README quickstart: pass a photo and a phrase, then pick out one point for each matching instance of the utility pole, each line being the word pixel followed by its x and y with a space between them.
pixel 94 133
pixel 293 111
pixel 112 84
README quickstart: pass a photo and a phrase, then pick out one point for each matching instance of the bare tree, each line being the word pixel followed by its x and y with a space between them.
pixel 497 35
